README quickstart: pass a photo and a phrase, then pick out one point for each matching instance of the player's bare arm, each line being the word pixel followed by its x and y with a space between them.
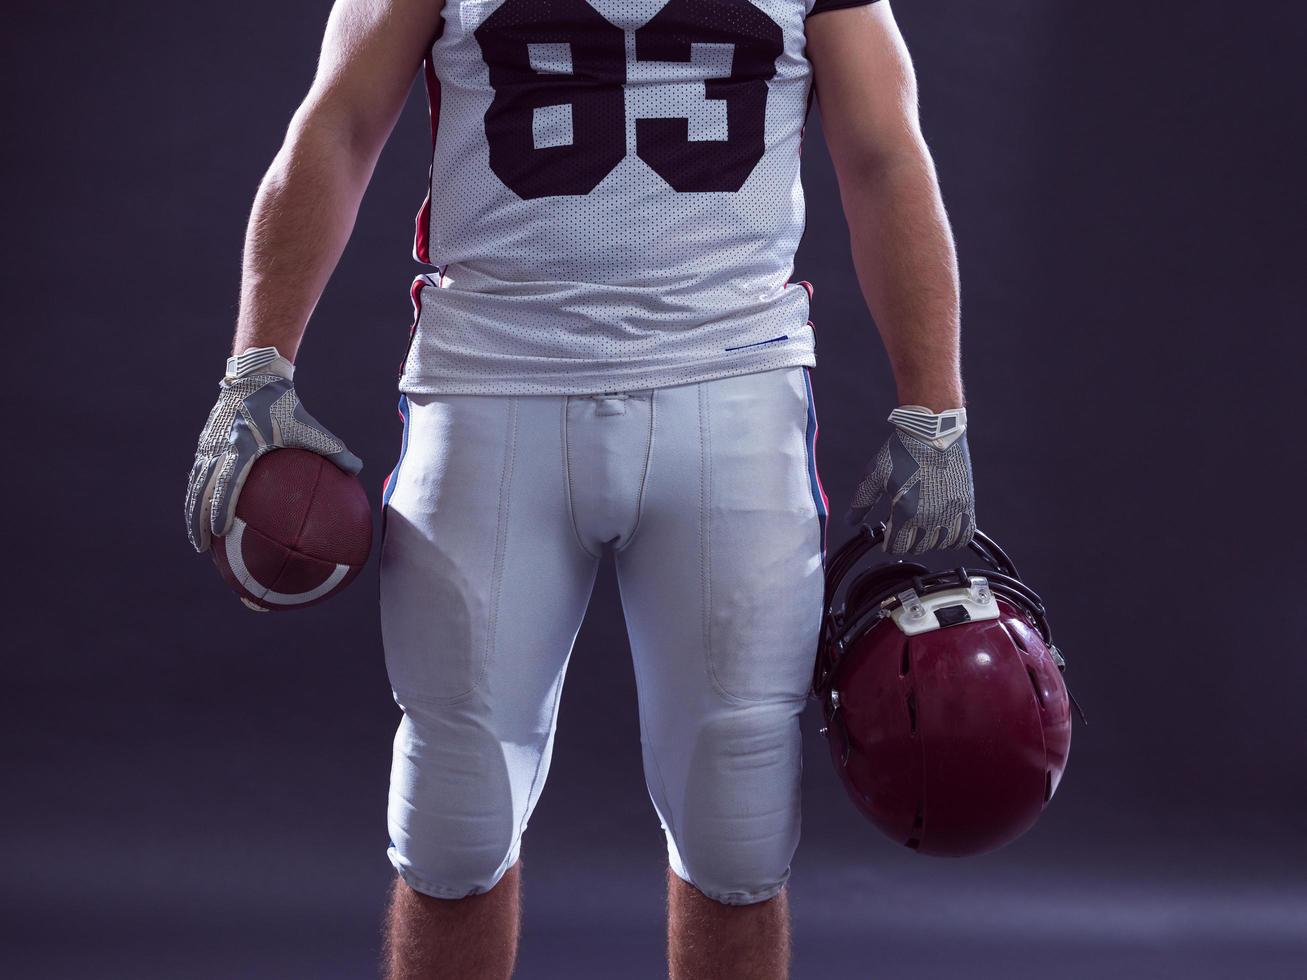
pixel 899 234
pixel 907 265
pixel 308 201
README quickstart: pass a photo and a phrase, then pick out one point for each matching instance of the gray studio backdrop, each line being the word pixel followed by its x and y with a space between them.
pixel 195 791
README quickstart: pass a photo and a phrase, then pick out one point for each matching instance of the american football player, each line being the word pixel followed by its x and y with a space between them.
pixel 609 356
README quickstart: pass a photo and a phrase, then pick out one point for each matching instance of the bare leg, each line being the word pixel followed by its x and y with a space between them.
pixel 472 938
pixel 707 940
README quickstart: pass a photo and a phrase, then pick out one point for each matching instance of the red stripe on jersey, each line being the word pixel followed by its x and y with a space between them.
pixel 415 294
pixel 422 235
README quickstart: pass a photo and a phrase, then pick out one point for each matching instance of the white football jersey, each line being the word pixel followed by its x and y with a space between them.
pixel 615 200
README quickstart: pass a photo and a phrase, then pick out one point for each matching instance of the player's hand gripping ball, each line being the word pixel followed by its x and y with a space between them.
pixel 273 494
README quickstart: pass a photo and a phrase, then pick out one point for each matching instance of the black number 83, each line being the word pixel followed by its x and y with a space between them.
pixel 595 91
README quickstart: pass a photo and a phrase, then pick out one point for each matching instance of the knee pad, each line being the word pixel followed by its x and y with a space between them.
pixel 454 828
pixel 736 829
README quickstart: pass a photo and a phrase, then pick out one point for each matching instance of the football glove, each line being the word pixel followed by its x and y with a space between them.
pixel 924 470
pixel 257 412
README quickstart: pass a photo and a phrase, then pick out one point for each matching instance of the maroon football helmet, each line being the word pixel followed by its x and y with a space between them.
pixel 946 712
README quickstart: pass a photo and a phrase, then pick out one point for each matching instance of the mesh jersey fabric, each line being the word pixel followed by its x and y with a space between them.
pixel 614 199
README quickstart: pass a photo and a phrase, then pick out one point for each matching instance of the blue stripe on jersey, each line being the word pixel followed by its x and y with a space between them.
pixel 759 343
pixel 814 481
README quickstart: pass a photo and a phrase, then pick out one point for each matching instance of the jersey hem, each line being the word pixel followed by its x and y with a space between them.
pixel 590 383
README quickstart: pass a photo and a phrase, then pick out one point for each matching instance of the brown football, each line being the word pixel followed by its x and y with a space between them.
pixel 303 531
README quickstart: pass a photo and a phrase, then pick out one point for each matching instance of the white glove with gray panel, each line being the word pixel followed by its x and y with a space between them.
pixel 924 471
pixel 257 412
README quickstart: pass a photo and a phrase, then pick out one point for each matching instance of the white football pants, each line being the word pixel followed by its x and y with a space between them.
pixel 497 515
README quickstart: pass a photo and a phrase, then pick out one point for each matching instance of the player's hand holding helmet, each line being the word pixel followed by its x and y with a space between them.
pixel 257 411
pixel 924 471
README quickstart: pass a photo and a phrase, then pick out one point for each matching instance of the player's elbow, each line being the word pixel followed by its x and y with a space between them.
pixel 885 161
pixel 332 130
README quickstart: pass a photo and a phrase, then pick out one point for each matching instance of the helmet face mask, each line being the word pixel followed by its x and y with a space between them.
pixel 947 717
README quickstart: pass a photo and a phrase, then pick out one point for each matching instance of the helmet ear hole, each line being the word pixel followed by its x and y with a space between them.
pixel 905 661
